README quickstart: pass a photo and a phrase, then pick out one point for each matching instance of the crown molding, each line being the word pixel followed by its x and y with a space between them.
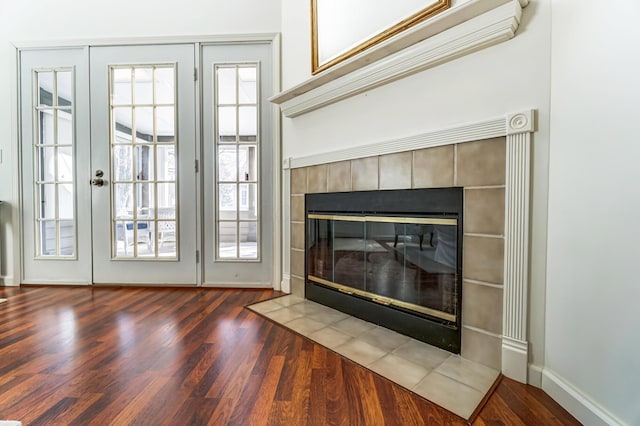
pixel 450 35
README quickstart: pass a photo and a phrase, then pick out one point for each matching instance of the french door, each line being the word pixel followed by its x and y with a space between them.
pixel 109 184
pixel 113 173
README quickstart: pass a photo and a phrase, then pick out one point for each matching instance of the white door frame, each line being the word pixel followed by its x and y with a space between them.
pixel 279 223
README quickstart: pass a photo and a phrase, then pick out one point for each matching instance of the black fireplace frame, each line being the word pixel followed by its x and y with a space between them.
pixel 431 202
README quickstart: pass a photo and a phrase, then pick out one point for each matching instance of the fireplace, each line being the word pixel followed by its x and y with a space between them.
pixel 390 257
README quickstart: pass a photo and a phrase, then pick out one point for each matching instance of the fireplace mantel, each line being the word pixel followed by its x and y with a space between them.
pixel 457 32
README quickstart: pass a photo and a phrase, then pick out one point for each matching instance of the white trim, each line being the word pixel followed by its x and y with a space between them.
pixel 125 41
pixel 514 357
pixel 584 409
pixel 461 133
pixel 285 285
pixel 278 221
pixel 535 375
pixel 248 284
pixel 450 35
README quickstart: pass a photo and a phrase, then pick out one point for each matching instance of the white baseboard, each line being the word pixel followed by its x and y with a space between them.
pixel 8 281
pixel 285 284
pixel 575 402
pixel 535 375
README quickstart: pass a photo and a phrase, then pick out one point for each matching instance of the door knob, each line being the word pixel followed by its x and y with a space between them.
pixel 99 173
pixel 97 182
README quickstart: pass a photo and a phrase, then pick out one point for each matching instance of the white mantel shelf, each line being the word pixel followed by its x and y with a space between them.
pixel 459 31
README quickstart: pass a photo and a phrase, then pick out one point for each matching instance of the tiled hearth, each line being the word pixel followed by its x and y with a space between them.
pixel 454 383
pixel 478 167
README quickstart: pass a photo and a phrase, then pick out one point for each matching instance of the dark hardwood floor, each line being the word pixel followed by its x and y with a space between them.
pixel 124 356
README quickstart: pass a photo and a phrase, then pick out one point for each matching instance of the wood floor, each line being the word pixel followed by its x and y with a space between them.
pixel 124 356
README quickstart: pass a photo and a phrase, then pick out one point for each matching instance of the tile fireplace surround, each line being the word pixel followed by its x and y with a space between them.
pixel 490 160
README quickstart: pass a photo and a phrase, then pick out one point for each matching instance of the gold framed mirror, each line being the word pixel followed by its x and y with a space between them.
pixel 341 29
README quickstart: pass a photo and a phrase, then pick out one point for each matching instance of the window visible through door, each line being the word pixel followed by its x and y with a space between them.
pixel 238 163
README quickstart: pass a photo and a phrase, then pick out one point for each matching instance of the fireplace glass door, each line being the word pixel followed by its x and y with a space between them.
pixel 408 263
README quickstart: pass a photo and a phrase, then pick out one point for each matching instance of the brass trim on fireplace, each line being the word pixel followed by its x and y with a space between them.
pixel 384 300
pixel 386 219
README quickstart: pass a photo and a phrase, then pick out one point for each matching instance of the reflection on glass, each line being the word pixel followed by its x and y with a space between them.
pixel 122 161
pixel 64 88
pixel 226 86
pixel 144 87
pixel 247 163
pixel 121 90
pixel 227 124
pixel 144 163
pixel 45 88
pixel 66 239
pixel 247 201
pixel 65 131
pixel 47 164
pixel 227 197
pixel 248 117
pixel 227 163
pixel 65 201
pixel 227 240
pixel 65 164
pixel 165 124
pixel 164 86
pixel 247 89
pixel 123 200
pixel 166 163
pixel 144 124
pixel 45 128
pixel 121 129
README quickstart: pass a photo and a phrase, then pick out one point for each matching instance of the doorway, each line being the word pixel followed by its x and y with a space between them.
pixel 113 186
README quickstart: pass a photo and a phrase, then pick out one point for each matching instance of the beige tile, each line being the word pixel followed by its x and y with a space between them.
pixel 297 286
pixel 364 174
pixel 297 262
pixel 483 259
pixel 481 348
pixel 317 178
pixel 339 176
pixel 329 317
pixel 482 306
pixel 299 181
pixel 433 167
pixel 264 307
pixel 450 394
pixel 484 211
pixel 297 235
pixel 353 326
pixel 399 370
pixel 289 300
pixel 330 337
pixel 473 374
pixel 283 315
pixel 297 208
pixel 310 308
pixel 481 163
pixel 305 326
pixel 360 352
pixel 395 170
pixel 383 338
pixel 422 354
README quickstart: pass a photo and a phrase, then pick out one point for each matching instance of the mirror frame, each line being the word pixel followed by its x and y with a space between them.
pixel 433 9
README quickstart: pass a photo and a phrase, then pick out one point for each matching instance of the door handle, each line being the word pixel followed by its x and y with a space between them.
pixel 97 182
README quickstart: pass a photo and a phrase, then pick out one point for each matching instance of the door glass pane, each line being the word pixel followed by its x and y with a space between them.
pixel 121 89
pixel 54 188
pixel 147 162
pixel 164 86
pixel 45 88
pixel 237 162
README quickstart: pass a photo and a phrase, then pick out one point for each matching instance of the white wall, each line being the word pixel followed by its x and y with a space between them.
pixel 40 20
pixel 593 324
pixel 505 78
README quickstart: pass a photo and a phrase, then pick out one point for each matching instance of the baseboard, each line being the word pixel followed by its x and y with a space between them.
pixel 535 375
pixel 285 284
pixel 8 281
pixel 575 402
